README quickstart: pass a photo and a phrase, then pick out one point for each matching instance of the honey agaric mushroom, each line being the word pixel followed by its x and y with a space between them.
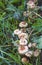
pixel 36 53
pixel 24 60
pixel 17 31
pixel 23 42
pixel 29 53
pixel 23 24
pixel 31 4
pixel 23 36
pixel 22 49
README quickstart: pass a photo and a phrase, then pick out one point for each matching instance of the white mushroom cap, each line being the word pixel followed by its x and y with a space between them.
pixel 22 49
pixel 31 4
pixel 30 45
pixel 23 24
pixel 23 36
pixel 23 42
pixel 24 60
pixel 29 53
pixel 36 53
pixel 17 31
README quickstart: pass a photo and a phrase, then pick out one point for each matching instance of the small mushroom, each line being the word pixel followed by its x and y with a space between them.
pixel 23 36
pixel 23 42
pixel 31 4
pixel 17 31
pixel 30 45
pixel 23 24
pixel 24 60
pixel 37 52
pixel 29 53
pixel 22 49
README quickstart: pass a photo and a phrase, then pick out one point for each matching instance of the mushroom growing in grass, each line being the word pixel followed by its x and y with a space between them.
pixel 17 32
pixel 22 49
pixel 29 53
pixel 31 4
pixel 24 60
pixel 23 36
pixel 37 52
pixel 23 24
pixel 23 42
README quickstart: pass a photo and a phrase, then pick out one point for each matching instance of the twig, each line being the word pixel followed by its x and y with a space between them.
pixel 30 35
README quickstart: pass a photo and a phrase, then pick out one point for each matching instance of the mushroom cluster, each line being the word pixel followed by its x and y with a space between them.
pixel 31 4
pixel 25 48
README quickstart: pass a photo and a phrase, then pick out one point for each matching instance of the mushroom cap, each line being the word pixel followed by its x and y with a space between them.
pixel 24 60
pixel 23 36
pixel 23 42
pixel 31 4
pixel 29 53
pixel 17 31
pixel 36 53
pixel 22 49
pixel 23 24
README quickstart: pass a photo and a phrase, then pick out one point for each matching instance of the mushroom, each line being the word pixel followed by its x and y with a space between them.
pixel 37 52
pixel 23 30
pixel 22 49
pixel 23 24
pixel 23 36
pixel 24 60
pixel 23 42
pixel 29 53
pixel 17 31
pixel 31 4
